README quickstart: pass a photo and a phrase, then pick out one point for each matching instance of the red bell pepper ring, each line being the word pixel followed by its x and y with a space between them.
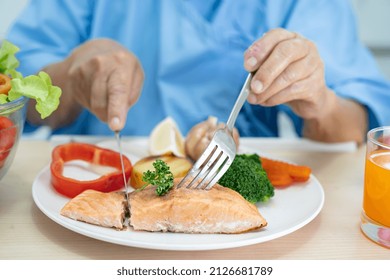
pixel 93 154
pixel 8 133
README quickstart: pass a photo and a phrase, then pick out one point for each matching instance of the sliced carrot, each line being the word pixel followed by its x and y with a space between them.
pixel 299 173
pixel 277 172
pixel 282 174
pixel 280 179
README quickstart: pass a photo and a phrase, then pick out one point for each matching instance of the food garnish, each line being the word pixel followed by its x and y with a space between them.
pixel 93 154
pixel 179 166
pixel 283 174
pixel 38 87
pixel 166 139
pixel 248 178
pixel 161 177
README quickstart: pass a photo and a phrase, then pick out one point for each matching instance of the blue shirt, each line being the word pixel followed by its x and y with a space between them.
pixel 192 54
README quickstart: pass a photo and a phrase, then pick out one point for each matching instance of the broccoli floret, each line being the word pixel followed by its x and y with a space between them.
pixel 247 177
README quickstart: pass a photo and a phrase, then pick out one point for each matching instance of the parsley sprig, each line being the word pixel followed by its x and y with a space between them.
pixel 162 177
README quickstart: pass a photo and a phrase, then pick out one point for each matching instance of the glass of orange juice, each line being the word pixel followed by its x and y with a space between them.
pixel 375 217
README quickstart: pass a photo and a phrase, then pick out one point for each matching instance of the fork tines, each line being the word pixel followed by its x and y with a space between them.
pixel 210 167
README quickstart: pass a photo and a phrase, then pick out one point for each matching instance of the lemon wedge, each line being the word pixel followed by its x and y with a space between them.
pixel 166 139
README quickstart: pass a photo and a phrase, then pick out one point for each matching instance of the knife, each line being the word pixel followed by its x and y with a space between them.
pixel 118 140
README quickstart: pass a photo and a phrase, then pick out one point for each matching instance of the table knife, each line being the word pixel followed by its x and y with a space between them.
pixel 119 143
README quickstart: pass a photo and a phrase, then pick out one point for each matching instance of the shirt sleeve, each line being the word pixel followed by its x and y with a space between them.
pixel 47 31
pixel 350 69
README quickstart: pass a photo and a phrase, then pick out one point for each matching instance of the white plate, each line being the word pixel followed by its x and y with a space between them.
pixel 289 210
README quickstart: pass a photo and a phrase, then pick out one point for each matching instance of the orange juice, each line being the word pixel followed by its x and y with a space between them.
pixel 376 199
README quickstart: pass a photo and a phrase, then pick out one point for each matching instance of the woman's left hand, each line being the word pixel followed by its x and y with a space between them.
pixel 289 70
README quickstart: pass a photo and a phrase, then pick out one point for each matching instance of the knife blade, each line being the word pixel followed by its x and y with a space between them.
pixel 119 141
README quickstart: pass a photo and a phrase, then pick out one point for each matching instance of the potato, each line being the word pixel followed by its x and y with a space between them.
pixel 179 167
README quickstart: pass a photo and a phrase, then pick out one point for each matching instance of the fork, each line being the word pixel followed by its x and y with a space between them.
pixel 220 152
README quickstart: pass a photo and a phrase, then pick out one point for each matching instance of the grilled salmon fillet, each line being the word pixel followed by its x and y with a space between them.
pixel 98 208
pixel 219 210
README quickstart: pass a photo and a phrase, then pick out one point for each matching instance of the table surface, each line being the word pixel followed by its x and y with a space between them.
pixel 26 233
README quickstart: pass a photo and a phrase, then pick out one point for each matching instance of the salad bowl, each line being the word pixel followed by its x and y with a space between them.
pixel 12 117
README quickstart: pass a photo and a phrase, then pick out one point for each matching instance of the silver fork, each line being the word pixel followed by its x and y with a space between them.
pixel 220 153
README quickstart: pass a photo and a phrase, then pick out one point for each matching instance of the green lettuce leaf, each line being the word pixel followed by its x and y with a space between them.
pixel 3 98
pixel 50 104
pixel 8 61
pixel 40 88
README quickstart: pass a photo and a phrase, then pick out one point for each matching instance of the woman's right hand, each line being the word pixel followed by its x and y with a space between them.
pixel 99 75
pixel 105 78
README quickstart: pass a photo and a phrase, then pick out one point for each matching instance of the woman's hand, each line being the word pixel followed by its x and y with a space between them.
pixel 100 75
pixel 289 70
pixel 105 78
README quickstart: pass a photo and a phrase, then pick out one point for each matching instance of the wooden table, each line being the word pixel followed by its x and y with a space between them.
pixel 26 233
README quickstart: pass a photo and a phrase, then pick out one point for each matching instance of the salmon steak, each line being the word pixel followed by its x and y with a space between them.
pixel 218 210
pixel 98 208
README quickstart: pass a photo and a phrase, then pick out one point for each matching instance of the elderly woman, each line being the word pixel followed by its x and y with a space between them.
pixel 132 63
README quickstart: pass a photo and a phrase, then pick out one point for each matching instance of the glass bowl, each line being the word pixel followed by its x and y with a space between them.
pixel 12 117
